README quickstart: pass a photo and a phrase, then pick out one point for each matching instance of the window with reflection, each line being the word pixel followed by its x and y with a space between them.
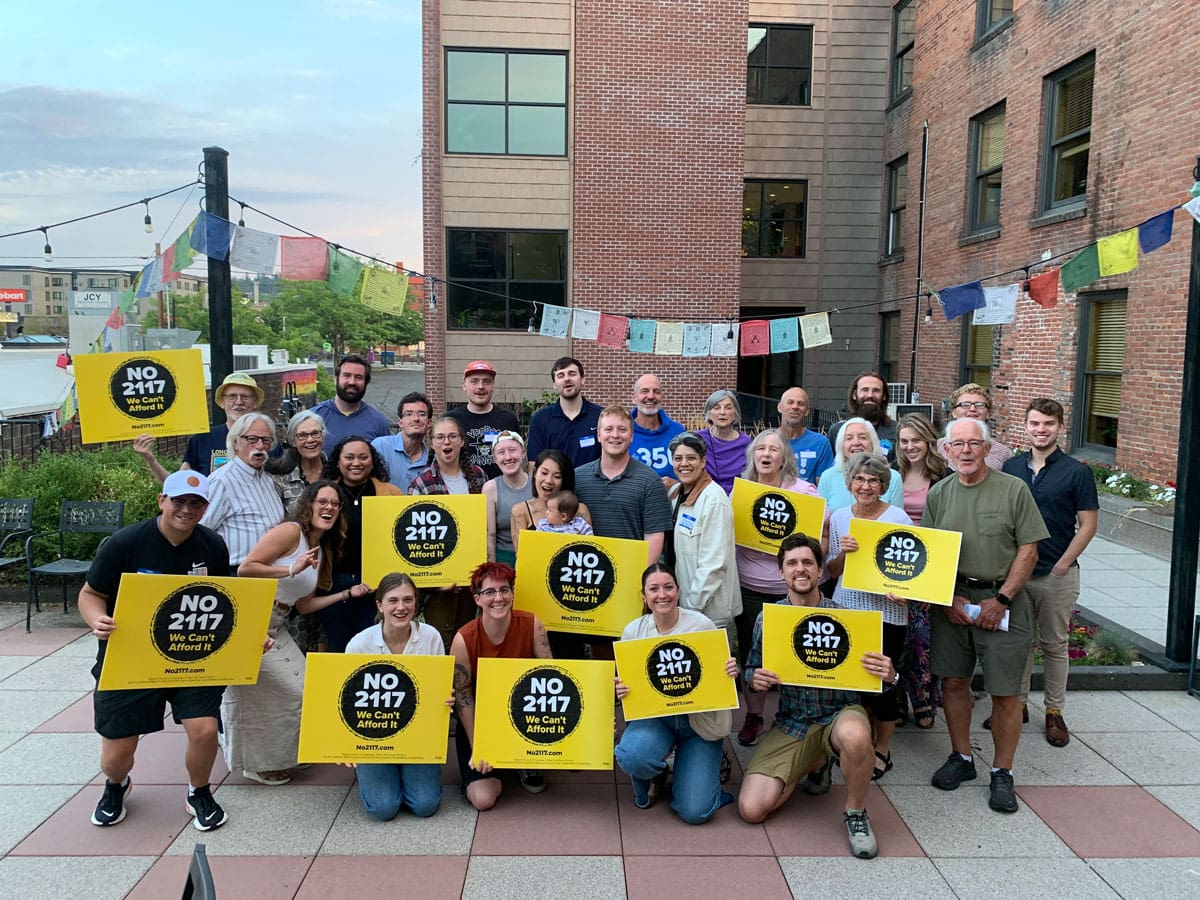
pixel 500 279
pixel 506 102
pixel 774 218
pixel 987 169
pixel 1068 133
pixel 779 65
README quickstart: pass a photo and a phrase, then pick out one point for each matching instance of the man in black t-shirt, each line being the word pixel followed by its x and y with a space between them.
pixel 172 543
pixel 481 419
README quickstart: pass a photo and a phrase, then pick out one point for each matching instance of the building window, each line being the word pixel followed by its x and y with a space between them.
pixel 27 281
pixel 977 353
pixel 29 309
pixel 774 216
pixel 889 346
pixel 991 14
pixel 506 102
pixel 779 65
pixel 56 282
pixel 904 33
pixel 1102 354
pixel 112 282
pixel 897 193
pixel 492 273
pixel 1068 133
pixel 987 165
pixel 56 295
pixel 58 310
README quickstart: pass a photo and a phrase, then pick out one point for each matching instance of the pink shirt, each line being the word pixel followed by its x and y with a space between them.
pixel 759 571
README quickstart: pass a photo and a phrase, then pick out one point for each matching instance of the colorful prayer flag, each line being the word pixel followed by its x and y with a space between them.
pixel 756 338
pixel 1118 252
pixel 150 281
pixel 641 335
pixel 814 328
pixel 1082 269
pixel 725 338
pixel 212 235
pixel 183 249
pixel 254 250
pixel 1043 289
pixel 585 325
pixel 1156 232
pixel 1001 306
pixel 554 321
pixel 1193 207
pixel 612 331
pixel 961 298
pixel 668 339
pixel 303 259
pixel 697 339
pixel 383 290
pixel 169 272
pixel 785 335
pixel 343 270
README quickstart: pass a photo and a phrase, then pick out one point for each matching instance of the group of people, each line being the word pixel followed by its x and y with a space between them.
pixel 295 516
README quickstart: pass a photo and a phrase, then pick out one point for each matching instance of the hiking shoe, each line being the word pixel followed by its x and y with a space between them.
pixel 750 730
pixel 533 782
pixel 858 829
pixel 817 782
pixel 207 811
pixel 111 808
pixel 1002 797
pixel 953 772
pixel 987 723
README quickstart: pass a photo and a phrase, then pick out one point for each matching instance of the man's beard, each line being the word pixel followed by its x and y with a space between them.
pixel 349 393
pixel 873 412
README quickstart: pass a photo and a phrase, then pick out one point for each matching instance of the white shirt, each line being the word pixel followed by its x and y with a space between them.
pixel 689 622
pixel 243 505
pixel 425 640
pixel 839 525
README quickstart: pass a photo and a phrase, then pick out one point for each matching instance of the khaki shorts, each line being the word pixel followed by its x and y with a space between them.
pixel 782 756
pixel 1001 654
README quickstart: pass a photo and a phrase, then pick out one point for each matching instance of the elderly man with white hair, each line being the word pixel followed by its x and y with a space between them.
pixel 244 502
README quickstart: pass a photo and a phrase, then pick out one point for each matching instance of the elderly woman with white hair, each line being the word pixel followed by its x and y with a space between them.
pixel 726 445
pixel 857 435
pixel 302 459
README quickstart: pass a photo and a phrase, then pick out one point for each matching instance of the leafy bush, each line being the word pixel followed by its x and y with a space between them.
pixel 325 383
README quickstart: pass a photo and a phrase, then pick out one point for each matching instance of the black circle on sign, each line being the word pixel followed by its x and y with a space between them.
pixel 425 534
pixel 821 642
pixel 142 388
pixel 901 555
pixel 581 577
pixel 378 700
pixel 773 515
pixel 545 705
pixel 673 669
pixel 193 622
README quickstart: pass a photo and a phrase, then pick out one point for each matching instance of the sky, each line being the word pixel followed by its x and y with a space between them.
pixel 317 101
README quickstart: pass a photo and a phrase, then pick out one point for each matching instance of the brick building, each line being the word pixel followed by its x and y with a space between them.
pixel 685 162
pixel 1051 124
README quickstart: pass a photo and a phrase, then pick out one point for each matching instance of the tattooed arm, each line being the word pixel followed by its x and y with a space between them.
pixel 464 690
pixel 541 643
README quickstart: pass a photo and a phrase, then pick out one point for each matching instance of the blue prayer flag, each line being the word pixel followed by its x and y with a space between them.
pixel 1156 232
pixel 961 299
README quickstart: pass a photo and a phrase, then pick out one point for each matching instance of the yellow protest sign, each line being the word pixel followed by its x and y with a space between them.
pixel 123 395
pixel 544 714
pixel 916 563
pixel 816 646
pixel 676 673
pixel 187 631
pixel 438 540
pixel 585 585
pixel 371 708
pixel 764 515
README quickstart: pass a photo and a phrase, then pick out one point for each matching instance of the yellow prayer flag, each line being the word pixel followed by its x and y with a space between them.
pixel 383 290
pixel 1118 252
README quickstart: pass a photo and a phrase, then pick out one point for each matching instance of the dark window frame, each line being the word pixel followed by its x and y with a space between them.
pixel 979 174
pixel 518 312
pixel 1051 146
pixel 507 104
pixel 890 324
pixel 1088 302
pixel 897 206
pixel 971 368
pixel 768 66
pixel 763 220
pixel 985 13
pixel 897 89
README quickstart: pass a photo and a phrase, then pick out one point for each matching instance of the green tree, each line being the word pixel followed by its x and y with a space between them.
pixel 191 313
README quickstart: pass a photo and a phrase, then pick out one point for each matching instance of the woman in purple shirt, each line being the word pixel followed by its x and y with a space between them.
pixel 726 457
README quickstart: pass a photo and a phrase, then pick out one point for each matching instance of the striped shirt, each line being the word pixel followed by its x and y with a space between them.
pixel 243 505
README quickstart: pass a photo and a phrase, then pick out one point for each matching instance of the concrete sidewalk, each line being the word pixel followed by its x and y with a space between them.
pixel 1114 814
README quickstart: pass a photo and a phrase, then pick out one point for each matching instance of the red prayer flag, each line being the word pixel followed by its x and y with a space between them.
pixel 756 338
pixel 303 259
pixel 612 331
pixel 169 273
pixel 1043 289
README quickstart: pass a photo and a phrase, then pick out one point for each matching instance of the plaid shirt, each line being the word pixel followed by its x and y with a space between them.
pixel 799 707
pixel 429 481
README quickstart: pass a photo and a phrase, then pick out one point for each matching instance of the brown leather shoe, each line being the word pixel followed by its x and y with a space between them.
pixel 1056 729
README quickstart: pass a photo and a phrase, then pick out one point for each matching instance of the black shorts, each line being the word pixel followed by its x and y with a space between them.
pixel 885 706
pixel 124 714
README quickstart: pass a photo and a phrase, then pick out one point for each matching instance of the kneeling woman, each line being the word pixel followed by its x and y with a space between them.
pixel 500 632
pixel 696 738
pixel 385 787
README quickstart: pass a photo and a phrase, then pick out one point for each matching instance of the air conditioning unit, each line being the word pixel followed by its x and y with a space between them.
pixel 897 393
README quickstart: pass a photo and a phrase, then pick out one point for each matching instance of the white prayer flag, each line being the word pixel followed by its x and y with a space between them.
pixel 254 251
pixel 1001 306
pixel 585 324
pixel 814 330
pixel 725 338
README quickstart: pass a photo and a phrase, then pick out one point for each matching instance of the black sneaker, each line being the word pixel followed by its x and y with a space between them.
pixel 207 811
pixel 111 808
pixel 534 782
pixel 1002 796
pixel 817 782
pixel 954 771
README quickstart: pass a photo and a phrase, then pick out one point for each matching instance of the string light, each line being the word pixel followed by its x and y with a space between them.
pixel 47 252
pixel 148 226
pixel 242 216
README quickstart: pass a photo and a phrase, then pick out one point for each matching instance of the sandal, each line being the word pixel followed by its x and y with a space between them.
pixel 923 716
pixel 887 766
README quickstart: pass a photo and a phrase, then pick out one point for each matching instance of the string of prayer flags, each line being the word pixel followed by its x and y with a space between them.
pixel 212 235
pixel 253 250
pixel 725 338
pixel 1043 289
pixel 182 254
pixel 1156 232
pixel 303 259
pixel 785 335
pixel 756 338
pixel 1118 252
pixel 814 328
pixel 554 321
pixel 1082 269
pixel 343 272
pixel 1193 207
pixel 151 280
pixel 697 339
pixel 641 335
pixel 961 298
pixel 585 325
pixel 668 339
pixel 383 290
pixel 612 331
pixel 1001 306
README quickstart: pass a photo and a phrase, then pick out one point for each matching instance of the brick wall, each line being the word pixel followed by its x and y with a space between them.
pixel 431 179
pixel 1143 147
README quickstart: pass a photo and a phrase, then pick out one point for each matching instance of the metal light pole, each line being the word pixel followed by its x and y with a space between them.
pixel 220 285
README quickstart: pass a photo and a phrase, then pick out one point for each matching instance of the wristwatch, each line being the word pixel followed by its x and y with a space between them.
pixel 1003 599
pixel 895 681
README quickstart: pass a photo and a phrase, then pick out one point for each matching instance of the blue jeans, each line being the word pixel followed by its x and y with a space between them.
pixel 696 791
pixel 385 787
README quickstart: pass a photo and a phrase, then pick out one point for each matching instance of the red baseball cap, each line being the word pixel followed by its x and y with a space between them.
pixel 479 367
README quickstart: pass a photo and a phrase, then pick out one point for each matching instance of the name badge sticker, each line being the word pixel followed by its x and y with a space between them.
pixel 588 440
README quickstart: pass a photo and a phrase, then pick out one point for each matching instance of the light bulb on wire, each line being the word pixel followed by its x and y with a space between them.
pixel 47 251
pixel 148 225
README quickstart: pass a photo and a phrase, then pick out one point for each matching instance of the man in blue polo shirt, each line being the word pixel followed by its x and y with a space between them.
pixel 1065 493
pixel 568 425
pixel 811 450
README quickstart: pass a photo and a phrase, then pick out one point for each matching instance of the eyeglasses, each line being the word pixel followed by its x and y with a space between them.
pixel 257 439
pixel 962 445
pixel 414 414
pixel 328 504
pixel 489 593
pixel 972 404
pixel 309 435
pixel 865 480
pixel 446 438
pixel 188 502
pixel 239 398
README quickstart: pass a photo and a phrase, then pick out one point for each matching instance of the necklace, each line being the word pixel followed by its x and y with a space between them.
pixel 355 494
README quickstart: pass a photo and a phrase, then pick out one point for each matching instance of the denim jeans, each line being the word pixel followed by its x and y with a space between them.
pixel 696 791
pixel 385 787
